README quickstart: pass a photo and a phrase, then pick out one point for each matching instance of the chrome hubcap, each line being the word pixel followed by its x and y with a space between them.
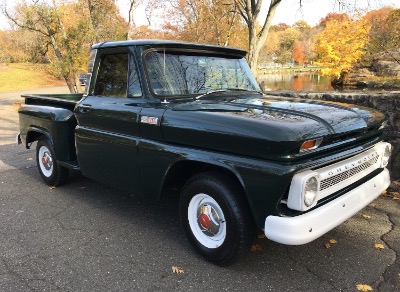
pixel 47 161
pixel 208 219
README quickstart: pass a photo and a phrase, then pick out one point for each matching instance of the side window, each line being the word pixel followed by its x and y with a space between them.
pixel 112 75
pixel 134 89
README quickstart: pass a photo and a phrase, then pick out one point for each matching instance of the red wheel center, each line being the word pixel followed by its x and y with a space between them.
pixel 204 221
pixel 44 161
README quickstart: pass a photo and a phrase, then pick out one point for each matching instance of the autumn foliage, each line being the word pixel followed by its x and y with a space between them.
pixel 340 45
pixel 299 53
pixel 61 32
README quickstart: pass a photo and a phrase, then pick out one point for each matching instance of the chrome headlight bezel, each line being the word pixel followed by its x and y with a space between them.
pixel 386 153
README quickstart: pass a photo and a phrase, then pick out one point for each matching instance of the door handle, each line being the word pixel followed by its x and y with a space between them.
pixel 84 108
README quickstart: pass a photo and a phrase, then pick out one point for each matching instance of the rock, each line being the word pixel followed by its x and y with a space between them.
pixel 386 64
pixel 386 68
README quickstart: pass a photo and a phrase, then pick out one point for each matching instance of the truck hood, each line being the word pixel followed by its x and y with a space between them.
pixel 266 127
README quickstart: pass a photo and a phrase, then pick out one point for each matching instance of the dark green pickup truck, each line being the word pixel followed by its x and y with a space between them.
pixel 161 114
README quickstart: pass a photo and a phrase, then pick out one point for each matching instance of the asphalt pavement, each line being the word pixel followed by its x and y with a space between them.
pixel 85 236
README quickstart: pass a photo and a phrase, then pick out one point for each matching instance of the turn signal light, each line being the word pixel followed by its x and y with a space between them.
pixel 310 144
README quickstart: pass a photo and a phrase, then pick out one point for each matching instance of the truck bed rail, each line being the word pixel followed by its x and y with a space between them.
pixel 67 101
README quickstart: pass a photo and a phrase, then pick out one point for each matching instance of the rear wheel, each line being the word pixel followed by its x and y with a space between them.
pixel 52 173
pixel 215 218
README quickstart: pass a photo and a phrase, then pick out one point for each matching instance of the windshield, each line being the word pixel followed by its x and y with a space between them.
pixel 176 74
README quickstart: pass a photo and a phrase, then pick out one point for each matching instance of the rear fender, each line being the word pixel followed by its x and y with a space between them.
pixel 35 134
pixel 56 124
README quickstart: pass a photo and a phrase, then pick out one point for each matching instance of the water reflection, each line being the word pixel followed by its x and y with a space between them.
pixel 297 81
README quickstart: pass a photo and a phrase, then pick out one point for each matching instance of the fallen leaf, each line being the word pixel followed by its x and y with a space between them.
pixel 329 243
pixel 379 246
pixel 366 216
pixel 30 158
pixel 177 270
pixel 52 188
pixel 256 247
pixel 261 235
pixel 392 195
pixel 395 195
pixel 364 288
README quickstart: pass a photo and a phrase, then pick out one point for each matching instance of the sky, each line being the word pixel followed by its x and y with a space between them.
pixel 313 10
pixel 288 11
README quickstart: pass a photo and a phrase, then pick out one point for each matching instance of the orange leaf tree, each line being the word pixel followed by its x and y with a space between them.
pixel 385 31
pixel 298 52
pixel 341 45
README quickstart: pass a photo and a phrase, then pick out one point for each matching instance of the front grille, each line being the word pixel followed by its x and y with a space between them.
pixel 341 175
pixel 339 178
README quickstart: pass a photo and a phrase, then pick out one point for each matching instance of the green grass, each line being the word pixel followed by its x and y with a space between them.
pixel 21 76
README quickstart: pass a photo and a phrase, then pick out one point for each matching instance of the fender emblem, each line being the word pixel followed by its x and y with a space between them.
pixel 149 120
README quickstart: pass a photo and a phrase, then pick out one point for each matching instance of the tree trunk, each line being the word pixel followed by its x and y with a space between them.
pixel 71 85
pixel 250 10
pixel 69 72
pixel 252 55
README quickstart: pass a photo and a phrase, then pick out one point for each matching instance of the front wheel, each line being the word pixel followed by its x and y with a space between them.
pixel 215 218
pixel 51 172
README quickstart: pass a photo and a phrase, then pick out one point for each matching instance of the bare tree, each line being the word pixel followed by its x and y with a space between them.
pixel 133 4
pixel 250 11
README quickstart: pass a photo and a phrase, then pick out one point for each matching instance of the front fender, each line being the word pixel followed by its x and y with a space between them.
pixel 157 161
pixel 263 182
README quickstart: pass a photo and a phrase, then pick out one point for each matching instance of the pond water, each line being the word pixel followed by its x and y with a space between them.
pixel 295 81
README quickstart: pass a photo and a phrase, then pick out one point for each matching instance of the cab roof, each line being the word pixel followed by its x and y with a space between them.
pixel 153 43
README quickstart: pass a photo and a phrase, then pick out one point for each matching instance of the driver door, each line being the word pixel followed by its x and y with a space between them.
pixel 107 135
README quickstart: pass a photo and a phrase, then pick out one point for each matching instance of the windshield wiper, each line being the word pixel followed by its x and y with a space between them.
pixel 209 92
pixel 226 90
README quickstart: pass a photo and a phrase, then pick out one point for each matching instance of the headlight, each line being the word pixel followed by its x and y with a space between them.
pixel 386 154
pixel 303 191
pixel 310 191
